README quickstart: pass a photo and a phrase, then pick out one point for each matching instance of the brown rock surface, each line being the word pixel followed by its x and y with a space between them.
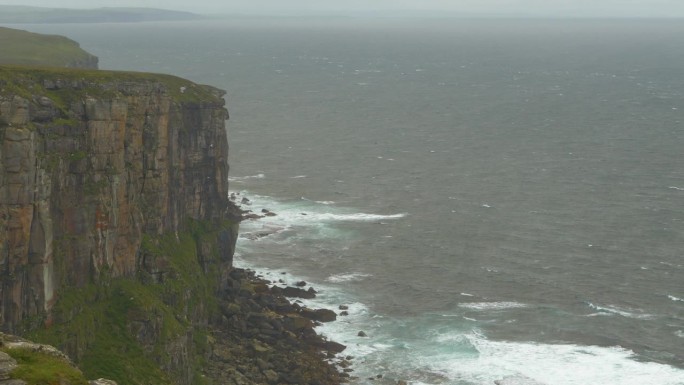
pixel 90 161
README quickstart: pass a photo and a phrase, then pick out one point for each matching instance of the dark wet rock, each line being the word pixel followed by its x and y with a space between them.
pixel 295 322
pixel 265 339
pixel 362 334
pixel 245 201
pixel 251 216
pixel 268 213
pixel 300 283
pixel 344 307
pixel 333 347
pixel 322 315
pixel 298 292
pixel 344 313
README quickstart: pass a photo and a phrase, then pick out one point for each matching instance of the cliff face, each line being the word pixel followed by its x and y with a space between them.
pixel 91 163
pixel 117 237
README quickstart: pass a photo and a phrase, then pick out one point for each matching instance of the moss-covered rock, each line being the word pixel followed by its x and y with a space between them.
pixel 26 362
pixel 151 328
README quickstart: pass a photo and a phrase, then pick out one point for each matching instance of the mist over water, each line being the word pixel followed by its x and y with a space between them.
pixel 492 197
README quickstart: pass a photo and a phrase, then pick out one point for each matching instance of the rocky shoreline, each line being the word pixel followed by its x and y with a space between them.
pixel 264 338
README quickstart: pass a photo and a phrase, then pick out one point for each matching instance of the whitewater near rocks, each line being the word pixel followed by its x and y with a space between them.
pixel 528 164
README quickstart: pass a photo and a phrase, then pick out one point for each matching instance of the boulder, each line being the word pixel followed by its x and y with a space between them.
pixel 299 293
pixel 322 315
pixel 333 347
pixel 7 365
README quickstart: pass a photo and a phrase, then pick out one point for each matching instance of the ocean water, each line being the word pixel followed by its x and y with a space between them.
pixel 491 198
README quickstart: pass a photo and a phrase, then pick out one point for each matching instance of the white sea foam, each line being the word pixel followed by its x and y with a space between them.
pixel 517 380
pixel 467 295
pixel 492 305
pixel 327 203
pixel 450 358
pixel 356 216
pixel 559 365
pixel 307 212
pixel 676 188
pixel 676 299
pixel 614 310
pixel 298 177
pixel 347 277
pixel 258 232
pixel 457 356
pixel 242 178
pixel 679 333
pixel 473 359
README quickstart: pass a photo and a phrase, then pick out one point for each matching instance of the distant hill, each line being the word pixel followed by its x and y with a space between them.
pixel 19 47
pixel 39 15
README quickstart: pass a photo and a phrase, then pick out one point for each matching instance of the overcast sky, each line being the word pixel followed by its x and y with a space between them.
pixel 524 7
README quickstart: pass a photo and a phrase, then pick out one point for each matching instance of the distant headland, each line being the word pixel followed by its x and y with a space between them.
pixel 40 15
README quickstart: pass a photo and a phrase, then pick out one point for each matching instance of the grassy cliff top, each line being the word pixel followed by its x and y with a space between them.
pixel 64 84
pixel 27 48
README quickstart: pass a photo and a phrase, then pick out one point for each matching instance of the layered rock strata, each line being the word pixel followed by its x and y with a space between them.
pixel 90 163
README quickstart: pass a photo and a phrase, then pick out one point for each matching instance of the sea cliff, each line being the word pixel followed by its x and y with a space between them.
pixel 90 163
pixel 117 235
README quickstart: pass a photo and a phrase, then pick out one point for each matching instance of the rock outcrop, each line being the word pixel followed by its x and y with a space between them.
pixel 38 363
pixel 116 229
pixel 89 163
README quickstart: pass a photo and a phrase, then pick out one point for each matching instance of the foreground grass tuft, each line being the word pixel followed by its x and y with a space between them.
pixel 36 368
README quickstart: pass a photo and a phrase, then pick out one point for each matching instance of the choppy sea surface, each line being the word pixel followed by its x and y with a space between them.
pixel 491 198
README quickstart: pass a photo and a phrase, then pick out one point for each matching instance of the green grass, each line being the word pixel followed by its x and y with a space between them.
pixel 27 81
pixel 27 48
pixel 95 320
pixel 102 321
pixel 42 369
